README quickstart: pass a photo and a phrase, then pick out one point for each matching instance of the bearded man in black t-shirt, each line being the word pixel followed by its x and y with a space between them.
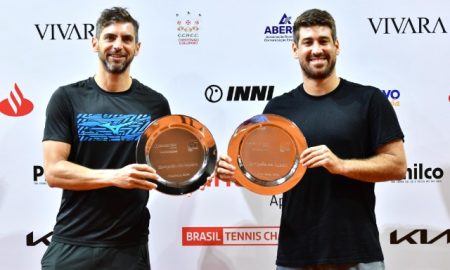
pixel 90 135
pixel 328 219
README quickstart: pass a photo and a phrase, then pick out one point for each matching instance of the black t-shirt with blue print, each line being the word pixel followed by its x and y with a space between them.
pixel 102 129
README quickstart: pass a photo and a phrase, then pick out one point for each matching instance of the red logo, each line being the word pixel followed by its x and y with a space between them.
pixel 217 183
pixel 16 104
pixel 230 236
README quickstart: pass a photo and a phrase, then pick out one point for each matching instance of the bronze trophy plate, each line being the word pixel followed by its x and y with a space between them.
pixel 181 150
pixel 265 150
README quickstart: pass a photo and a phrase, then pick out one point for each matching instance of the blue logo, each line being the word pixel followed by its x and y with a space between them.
pixel 393 96
pixel 111 127
pixel 281 32
pixel 285 19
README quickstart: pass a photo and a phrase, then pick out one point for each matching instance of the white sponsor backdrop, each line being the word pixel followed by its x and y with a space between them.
pixel 403 50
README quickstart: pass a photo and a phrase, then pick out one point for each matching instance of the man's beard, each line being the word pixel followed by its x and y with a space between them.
pixel 318 75
pixel 115 68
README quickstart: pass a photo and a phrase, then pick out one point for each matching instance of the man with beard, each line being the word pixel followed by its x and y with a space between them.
pixel 90 136
pixel 328 219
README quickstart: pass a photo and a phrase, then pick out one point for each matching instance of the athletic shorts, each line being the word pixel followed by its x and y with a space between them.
pixel 360 266
pixel 60 256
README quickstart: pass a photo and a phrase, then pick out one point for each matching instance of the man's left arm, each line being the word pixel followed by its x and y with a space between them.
pixel 389 163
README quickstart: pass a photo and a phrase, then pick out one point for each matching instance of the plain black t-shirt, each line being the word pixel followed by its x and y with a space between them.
pixel 102 129
pixel 329 218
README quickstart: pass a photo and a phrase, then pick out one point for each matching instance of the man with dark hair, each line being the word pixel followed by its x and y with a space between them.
pixel 328 220
pixel 115 15
pixel 90 136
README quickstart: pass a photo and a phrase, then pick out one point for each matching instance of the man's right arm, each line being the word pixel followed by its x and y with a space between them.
pixel 59 172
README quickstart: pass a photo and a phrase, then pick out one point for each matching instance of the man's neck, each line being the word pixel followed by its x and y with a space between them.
pixel 111 82
pixel 321 87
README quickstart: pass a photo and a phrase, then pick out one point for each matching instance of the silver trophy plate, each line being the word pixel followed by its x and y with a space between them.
pixel 181 150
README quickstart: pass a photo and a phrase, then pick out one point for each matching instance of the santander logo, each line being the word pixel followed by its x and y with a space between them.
pixel 16 104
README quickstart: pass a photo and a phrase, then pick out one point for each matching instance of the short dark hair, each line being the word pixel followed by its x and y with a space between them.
pixel 314 17
pixel 115 15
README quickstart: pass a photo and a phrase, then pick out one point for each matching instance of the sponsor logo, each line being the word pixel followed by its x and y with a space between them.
pixel 44 239
pixel 67 31
pixel 111 127
pixel 393 96
pixel 276 201
pixel 38 173
pixel 282 32
pixel 230 236
pixel 16 104
pixel 419 173
pixel 216 183
pixel 214 93
pixel 407 25
pixel 188 28
pixel 419 236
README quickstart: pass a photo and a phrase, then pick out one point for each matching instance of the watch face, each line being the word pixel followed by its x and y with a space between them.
pixel 181 150
pixel 266 150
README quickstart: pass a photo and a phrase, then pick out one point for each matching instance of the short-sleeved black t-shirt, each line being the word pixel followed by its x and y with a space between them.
pixel 102 129
pixel 329 218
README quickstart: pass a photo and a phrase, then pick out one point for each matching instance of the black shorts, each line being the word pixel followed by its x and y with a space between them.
pixel 359 266
pixel 60 256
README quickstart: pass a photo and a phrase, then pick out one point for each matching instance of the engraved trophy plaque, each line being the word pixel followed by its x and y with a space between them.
pixel 265 150
pixel 181 150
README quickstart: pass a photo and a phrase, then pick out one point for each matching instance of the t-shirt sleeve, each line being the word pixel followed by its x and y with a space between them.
pixel 165 107
pixel 384 125
pixel 269 108
pixel 58 122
